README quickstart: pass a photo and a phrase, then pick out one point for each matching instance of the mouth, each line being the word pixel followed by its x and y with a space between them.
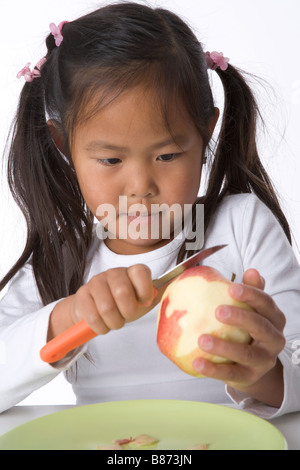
pixel 139 214
pixel 142 218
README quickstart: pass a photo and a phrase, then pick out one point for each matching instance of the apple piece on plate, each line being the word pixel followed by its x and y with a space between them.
pixel 187 310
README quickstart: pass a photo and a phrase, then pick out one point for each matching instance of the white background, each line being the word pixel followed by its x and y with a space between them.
pixel 259 36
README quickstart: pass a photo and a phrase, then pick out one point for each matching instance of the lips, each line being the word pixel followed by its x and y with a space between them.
pixel 138 214
pixel 142 212
pixel 145 218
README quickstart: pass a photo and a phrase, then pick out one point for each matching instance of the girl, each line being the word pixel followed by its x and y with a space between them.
pixel 121 106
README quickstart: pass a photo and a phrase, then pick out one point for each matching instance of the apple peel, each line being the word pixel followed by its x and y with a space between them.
pixel 187 310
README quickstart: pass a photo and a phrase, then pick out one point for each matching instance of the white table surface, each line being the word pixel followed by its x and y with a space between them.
pixel 288 425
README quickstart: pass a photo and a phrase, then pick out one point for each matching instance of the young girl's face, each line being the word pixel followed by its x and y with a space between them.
pixel 126 150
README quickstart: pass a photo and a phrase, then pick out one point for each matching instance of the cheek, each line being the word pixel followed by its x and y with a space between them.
pixel 94 189
pixel 186 185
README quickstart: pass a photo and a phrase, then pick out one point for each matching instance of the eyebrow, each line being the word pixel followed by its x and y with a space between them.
pixel 102 145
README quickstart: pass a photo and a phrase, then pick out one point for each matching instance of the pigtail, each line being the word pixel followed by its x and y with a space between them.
pixel 45 187
pixel 237 167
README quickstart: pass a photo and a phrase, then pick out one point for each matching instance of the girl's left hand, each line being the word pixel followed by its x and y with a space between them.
pixel 256 369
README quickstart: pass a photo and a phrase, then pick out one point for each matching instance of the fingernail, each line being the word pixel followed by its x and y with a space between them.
pixel 205 342
pixel 236 290
pixel 198 364
pixel 155 291
pixel 223 313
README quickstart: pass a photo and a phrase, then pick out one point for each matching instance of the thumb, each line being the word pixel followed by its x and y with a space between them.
pixel 253 278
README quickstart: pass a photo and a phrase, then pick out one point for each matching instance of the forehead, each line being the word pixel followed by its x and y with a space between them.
pixel 134 113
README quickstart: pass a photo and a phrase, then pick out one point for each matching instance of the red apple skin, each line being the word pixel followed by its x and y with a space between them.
pixel 187 310
pixel 168 334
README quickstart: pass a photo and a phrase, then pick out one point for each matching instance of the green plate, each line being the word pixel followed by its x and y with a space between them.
pixel 177 425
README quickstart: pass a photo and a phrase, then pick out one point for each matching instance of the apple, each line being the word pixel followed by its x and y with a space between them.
pixel 187 310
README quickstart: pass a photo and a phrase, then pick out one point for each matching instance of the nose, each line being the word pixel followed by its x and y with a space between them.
pixel 141 183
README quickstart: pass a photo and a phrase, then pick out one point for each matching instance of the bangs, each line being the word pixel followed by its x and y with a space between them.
pixel 169 89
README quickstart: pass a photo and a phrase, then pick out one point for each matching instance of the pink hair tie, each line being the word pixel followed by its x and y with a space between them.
pixel 57 32
pixel 216 60
pixel 35 73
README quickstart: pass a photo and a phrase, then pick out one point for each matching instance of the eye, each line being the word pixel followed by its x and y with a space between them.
pixel 109 161
pixel 168 157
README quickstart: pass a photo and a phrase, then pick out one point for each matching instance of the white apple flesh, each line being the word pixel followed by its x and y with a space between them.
pixel 187 310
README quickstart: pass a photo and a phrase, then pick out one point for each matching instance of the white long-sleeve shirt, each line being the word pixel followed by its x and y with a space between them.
pixel 127 364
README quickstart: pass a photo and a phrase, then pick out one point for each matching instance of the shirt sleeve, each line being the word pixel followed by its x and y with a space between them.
pixel 23 332
pixel 264 246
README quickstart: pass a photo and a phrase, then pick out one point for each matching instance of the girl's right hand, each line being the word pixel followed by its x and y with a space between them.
pixel 107 301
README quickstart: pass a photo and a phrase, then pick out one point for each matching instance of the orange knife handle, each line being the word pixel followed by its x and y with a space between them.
pixel 70 339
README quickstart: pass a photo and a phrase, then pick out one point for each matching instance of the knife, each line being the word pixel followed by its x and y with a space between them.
pixel 81 333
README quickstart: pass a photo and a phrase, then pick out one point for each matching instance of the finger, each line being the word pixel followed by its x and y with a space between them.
pixel 85 309
pixel 244 354
pixel 259 301
pixel 140 276
pixel 228 373
pixel 253 278
pixel 106 306
pixel 258 326
pixel 123 292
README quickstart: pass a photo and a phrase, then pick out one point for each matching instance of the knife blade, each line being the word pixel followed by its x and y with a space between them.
pixel 81 333
pixel 188 263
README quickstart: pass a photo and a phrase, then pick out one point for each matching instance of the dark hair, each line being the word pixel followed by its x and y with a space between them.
pixel 112 49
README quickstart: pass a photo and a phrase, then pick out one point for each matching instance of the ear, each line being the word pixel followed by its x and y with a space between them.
pixel 57 136
pixel 213 121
